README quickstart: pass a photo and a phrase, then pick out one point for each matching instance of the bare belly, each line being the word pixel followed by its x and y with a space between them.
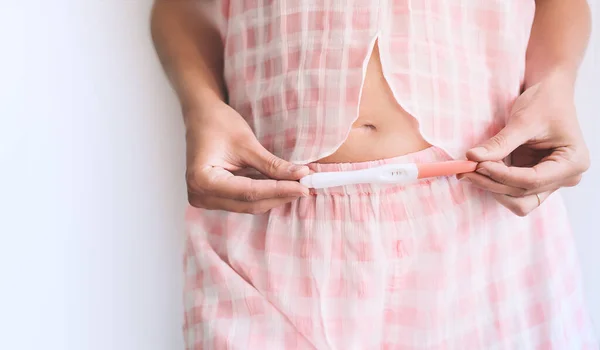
pixel 383 129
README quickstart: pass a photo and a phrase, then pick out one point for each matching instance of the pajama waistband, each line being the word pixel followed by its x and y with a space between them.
pixel 428 155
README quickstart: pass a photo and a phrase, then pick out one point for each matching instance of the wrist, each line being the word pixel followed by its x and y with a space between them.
pixel 563 74
pixel 199 106
pixel 197 110
pixel 200 99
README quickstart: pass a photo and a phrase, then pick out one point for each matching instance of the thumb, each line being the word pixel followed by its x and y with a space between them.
pixel 500 145
pixel 274 167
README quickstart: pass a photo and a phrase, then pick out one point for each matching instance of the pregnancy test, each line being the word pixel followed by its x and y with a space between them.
pixel 389 174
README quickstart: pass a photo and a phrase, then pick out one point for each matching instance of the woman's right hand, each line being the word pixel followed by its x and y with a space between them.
pixel 219 143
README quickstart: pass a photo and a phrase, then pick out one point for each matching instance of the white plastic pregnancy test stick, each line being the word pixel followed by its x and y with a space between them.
pixel 388 174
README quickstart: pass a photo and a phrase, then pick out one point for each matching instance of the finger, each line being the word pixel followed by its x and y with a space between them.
pixel 569 182
pixel 257 207
pixel 488 184
pixel 544 174
pixel 221 183
pixel 502 144
pixel 255 174
pixel 272 166
pixel 522 206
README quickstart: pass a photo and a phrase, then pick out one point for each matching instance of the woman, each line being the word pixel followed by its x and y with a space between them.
pixel 292 87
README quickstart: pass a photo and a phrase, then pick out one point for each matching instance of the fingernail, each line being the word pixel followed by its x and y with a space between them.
pixel 483 172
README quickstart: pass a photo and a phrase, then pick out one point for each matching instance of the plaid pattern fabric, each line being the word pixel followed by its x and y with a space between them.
pixel 431 265
pixel 294 69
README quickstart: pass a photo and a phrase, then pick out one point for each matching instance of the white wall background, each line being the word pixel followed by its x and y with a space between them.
pixel 91 168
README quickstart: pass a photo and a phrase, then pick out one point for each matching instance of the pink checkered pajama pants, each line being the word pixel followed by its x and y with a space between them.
pixel 436 264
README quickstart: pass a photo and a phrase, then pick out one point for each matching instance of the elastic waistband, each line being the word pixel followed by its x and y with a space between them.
pixel 428 155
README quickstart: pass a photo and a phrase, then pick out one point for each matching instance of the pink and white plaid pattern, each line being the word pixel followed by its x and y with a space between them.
pixel 432 265
pixel 294 69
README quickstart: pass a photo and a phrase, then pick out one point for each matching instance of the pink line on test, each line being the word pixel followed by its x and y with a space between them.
pixel 448 168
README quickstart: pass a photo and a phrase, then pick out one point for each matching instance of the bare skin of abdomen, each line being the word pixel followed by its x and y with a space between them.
pixel 383 129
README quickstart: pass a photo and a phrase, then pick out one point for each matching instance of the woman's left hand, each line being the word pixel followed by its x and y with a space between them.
pixel 545 145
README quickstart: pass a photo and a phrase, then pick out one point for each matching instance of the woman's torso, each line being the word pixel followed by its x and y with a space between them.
pixel 310 76
pixel 383 128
